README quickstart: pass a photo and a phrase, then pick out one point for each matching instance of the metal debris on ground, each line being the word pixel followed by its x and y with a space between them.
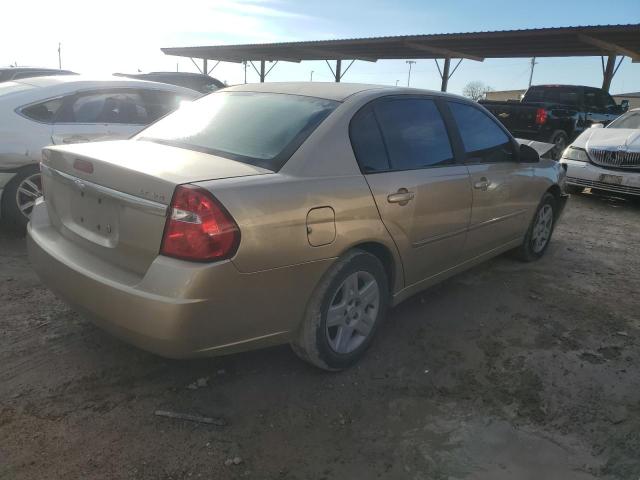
pixel 221 422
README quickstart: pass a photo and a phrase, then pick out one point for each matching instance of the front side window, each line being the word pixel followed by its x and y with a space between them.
pixel 414 133
pixel 262 129
pixel 44 111
pixel 483 139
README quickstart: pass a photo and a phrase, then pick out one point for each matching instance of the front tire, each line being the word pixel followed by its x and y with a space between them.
pixel 560 141
pixel 19 196
pixel 539 233
pixel 344 312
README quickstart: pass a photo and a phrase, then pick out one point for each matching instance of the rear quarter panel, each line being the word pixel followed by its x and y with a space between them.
pixel 271 210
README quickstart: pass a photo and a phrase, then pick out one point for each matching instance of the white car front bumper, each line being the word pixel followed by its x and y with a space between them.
pixel 585 174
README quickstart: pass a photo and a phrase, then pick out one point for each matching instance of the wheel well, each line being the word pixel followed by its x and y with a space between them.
pixel 384 255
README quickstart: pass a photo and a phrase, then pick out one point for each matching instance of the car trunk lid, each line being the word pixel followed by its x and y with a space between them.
pixel 112 197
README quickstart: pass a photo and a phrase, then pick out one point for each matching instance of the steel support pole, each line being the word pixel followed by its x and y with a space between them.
pixel 338 70
pixel 262 74
pixel 445 74
pixel 204 66
pixel 608 73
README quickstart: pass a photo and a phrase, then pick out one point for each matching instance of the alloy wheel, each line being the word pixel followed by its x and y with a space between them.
pixel 542 228
pixel 29 189
pixel 352 312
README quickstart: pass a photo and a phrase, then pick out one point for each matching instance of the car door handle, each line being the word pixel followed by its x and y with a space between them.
pixel 401 197
pixel 483 184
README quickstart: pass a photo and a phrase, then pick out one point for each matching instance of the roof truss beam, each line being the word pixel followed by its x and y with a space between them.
pixel 331 54
pixel 610 47
pixel 445 52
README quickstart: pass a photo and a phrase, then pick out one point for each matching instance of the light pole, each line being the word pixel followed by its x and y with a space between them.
pixel 59 56
pixel 311 76
pixel 410 62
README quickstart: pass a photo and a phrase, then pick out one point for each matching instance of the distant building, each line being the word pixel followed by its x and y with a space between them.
pixel 504 95
pixel 633 97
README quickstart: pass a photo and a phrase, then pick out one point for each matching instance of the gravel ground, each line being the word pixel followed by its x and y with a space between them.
pixel 508 371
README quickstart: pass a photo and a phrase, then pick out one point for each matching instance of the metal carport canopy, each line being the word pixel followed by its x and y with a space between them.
pixel 595 40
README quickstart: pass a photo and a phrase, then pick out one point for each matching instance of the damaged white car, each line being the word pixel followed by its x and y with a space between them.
pixel 606 158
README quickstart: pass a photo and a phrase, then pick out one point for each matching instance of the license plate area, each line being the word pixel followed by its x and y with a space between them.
pixel 94 216
pixel 612 179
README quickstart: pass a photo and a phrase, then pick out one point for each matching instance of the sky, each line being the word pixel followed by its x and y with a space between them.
pixel 126 35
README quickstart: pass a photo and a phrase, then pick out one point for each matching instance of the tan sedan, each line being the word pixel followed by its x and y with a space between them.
pixel 294 212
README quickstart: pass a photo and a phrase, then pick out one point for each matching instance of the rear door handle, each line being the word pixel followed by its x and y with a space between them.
pixel 483 184
pixel 401 197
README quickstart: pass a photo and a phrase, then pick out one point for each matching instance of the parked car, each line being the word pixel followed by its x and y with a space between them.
pixel 195 81
pixel 293 212
pixel 556 113
pixel 41 111
pixel 18 73
pixel 606 158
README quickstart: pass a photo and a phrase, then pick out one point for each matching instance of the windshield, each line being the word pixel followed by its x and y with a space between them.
pixel 561 95
pixel 262 129
pixel 628 120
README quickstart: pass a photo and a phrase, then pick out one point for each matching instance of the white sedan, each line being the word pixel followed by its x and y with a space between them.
pixel 606 158
pixel 37 112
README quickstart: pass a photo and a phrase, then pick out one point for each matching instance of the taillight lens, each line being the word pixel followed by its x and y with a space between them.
pixel 541 116
pixel 198 227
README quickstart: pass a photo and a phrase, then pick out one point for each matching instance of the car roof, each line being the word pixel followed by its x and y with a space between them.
pixel 64 83
pixel 330 90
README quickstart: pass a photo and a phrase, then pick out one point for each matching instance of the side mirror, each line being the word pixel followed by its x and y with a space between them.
pixel 528 154
pixel 624 105
pixel 596 125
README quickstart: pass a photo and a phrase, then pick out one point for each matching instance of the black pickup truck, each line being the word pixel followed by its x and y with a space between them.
pixel 555 113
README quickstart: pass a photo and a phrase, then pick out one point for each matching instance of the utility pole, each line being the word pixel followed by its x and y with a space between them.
pixel 59 56
pixel 410 62
pixel 311 76
pixel 533 64
pixel 245 71
pixel 397 82
pixel 177 67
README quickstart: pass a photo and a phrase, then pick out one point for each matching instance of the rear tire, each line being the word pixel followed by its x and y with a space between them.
pixel 539 233
pixel 344 312
pixel 18 197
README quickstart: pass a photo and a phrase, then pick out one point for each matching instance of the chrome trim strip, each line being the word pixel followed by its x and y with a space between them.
pixel 148 206
pixel 444 236
pixel 497 219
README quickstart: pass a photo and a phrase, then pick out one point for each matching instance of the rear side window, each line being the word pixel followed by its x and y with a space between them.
pixel 157 104
pixel 414 133
pixel 569 96
pixel 367 143
pixel 483 139
pixel 108 107
pixel 44 111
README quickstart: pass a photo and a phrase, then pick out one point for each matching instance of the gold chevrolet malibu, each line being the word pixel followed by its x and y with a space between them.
pixel 285 213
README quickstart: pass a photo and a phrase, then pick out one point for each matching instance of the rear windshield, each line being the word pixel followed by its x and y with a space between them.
pixel 628 120
pixel 262 129
pixel 562 95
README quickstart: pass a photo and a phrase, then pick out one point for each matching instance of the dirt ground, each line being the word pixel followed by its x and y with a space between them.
pixel 508 371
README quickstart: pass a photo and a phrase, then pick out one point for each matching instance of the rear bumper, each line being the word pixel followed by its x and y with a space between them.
pixel 584 174
pixel 177 309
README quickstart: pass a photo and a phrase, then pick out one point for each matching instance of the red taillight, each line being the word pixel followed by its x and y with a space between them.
pixel 198 227
pixel 541 116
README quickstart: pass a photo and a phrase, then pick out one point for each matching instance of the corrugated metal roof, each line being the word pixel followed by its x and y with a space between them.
pixel 590 40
